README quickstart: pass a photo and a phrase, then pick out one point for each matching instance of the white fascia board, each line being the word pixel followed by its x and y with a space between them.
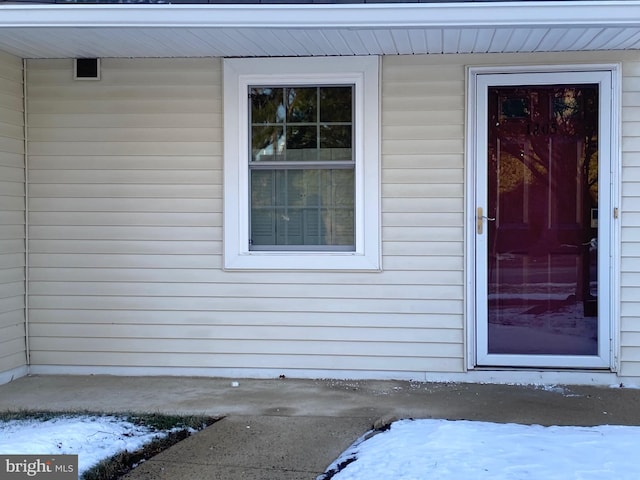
pixel 618 13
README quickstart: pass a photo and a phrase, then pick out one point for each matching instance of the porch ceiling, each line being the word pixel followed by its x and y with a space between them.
pixel 64 31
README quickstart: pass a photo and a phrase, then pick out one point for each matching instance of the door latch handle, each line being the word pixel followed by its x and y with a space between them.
pixel 480 218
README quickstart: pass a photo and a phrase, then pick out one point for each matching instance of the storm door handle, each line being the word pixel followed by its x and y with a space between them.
pixel 480 218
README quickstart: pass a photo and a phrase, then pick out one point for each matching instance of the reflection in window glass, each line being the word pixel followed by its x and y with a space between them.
pixel 299 124
pixel 293 206
pixel 302 207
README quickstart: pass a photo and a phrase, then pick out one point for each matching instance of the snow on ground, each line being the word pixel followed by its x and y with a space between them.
pixel 467 450
pixel 409 450
pixel 92 438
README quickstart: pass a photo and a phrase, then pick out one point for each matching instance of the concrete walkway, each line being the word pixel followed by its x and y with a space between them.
pixel 286 429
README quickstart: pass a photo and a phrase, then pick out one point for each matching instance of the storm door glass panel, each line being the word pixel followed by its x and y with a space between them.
pixel 542 228
pixel 302 169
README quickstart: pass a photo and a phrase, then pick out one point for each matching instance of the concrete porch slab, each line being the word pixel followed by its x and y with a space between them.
pixel 549 405
pixel 289 429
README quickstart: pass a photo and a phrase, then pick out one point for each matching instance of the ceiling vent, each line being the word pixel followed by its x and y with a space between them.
pixel 86 69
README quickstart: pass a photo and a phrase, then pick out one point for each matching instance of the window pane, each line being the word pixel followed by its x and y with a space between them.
pixel 335 142
pixel 302 143
pixel 302 105
pixel 267 143
pixel 335 104
pixel 267 105
pixel 302 207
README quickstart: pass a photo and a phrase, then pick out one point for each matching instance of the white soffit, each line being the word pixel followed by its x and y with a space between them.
pixel 108 30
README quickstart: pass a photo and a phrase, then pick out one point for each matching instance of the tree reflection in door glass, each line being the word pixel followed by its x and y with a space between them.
pixel 543 193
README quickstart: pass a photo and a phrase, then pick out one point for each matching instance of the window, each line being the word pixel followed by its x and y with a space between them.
pixel 301 166
pixel 301 187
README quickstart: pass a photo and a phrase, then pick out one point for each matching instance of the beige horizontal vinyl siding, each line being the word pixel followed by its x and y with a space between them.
pixel 125 176
pixel 630 218
pixel 12 216
pixel 126 228
pixel 422 171
pixel 423 196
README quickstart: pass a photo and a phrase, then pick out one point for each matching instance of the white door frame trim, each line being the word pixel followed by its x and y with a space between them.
pixel 474 132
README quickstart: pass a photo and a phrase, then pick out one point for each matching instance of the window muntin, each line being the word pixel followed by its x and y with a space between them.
pixel 301 167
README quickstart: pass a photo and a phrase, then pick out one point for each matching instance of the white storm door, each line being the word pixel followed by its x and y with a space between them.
pixel 541 247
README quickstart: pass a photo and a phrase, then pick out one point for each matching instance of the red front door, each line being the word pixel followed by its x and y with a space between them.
pixel 542 220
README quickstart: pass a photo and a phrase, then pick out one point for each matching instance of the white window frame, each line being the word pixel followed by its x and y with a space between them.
pixel 239 75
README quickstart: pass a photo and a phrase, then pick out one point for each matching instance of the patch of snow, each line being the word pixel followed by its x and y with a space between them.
pixel 631 386
pixel 468 450
pixel 92 438
pixel 564 391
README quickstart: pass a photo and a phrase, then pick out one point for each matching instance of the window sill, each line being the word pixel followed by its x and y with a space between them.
pixel 303 261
